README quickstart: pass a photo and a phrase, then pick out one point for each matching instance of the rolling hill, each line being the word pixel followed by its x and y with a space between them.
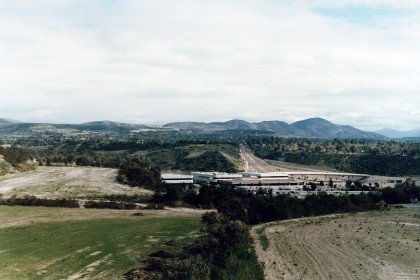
pixel 393 133
pixel 311 128
pixel 29 129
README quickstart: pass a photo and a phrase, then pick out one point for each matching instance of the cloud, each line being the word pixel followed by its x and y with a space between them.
pixel 162 61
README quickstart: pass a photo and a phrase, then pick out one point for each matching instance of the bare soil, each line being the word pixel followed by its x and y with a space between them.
pixel 66 182
pixel 371 245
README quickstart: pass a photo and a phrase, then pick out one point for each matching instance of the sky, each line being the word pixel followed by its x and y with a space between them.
pixel 153 62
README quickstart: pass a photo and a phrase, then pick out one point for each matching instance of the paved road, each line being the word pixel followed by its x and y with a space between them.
pixel 252 163
pixel 255 164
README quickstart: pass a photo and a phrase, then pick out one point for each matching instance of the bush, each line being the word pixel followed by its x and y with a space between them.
pixel 110 205
pixel 34 201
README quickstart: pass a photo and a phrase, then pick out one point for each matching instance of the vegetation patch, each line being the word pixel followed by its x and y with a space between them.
pixel 197 157
pixel 224 253
pixel 264 241
pixel 34 201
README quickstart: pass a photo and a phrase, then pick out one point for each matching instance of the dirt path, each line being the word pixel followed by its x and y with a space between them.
pixel 374 245
pixel 253 163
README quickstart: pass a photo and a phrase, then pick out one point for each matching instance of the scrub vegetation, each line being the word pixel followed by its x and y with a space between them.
pixel 388 158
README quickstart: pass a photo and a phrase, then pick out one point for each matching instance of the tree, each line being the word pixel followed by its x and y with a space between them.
pixel 210 218
pixel 381 204
pixel 140 172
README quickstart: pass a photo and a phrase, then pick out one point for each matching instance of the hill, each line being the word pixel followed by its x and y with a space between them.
pixel 5 121
pixel 29 129
pixel 313 128
pixel 393 133
pixel 309 128
pixel 320 128
pixel 198 157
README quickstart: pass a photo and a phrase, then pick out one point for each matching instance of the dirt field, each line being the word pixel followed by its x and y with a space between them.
pixel 65 182
pixel 374 245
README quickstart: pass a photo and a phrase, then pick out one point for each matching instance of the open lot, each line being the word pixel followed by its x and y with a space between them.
pixel 372 245
pixel 59 243
pixel 65 182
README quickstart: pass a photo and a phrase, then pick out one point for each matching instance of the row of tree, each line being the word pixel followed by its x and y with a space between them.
pixel 278 146
pixel 34 201
pixel 265 207
pixel 387 158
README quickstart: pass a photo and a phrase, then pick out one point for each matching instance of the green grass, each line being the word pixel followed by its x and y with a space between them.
pixel 105 247
pixel 264 241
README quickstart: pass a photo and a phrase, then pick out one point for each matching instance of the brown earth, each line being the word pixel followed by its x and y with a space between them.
pixel 371 245
pixel 66 182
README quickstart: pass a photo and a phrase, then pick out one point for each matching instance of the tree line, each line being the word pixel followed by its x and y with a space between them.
pixel 387 158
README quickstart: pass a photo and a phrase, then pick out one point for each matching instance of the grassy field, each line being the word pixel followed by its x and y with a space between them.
pixel 371 245
pixel 57 243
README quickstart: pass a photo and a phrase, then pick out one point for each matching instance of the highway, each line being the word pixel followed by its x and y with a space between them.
pixel 252 163
pixel 255 164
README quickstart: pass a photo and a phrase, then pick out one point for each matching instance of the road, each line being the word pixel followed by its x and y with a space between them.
pixel 255 164
pixel 252 163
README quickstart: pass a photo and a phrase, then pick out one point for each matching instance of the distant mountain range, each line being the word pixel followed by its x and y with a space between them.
pixel 310 128
pixel 8 128
pixel 9 121
pixel 392 133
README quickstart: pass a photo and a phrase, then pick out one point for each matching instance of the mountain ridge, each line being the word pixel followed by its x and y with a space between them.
pixel 308 128
pixel 312 127
pixel 394 133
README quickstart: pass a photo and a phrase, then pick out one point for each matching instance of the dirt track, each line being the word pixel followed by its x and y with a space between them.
pixel 252 163
pixel 255 164
pixel 65 182
pixel 374 245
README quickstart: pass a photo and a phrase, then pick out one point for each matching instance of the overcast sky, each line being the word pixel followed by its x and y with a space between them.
pixel 353 62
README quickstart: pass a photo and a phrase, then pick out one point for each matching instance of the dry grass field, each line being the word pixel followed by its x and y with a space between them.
pixel 65 182
pixel 372 245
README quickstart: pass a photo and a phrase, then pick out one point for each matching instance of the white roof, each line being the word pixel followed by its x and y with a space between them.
pixel 169 176
pixel 217 174
pixel 266 174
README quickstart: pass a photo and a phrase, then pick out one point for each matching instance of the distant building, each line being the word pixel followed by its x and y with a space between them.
pixel 213 177
pixel 177 179
pixel 260 182
pixel 266 175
